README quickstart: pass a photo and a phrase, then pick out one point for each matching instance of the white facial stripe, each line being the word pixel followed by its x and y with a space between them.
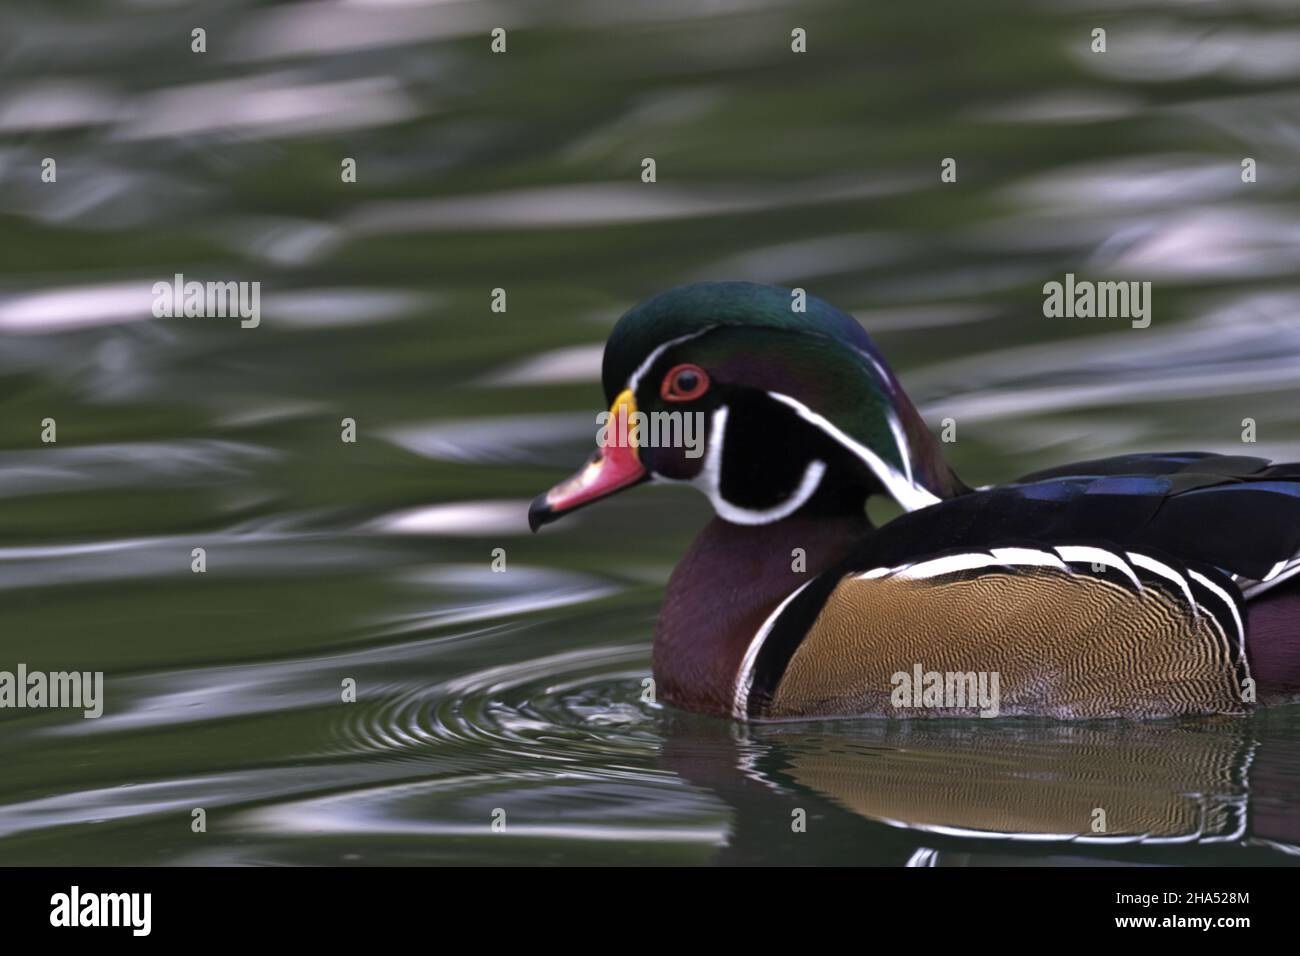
pixel 745 676
pixel 885 378
pixel 709 480
pixel 653 357
pixel 908 494
pixel 904 450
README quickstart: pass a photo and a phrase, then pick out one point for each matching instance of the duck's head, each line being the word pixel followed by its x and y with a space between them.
pixel 767 410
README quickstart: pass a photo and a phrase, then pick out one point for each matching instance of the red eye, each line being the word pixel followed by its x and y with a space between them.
pixel 684 382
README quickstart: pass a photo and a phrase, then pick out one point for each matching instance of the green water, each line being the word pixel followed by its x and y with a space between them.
pixel 485 696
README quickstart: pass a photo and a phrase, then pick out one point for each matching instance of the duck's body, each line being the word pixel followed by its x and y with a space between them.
pixel 1088 596
pixel 1139 586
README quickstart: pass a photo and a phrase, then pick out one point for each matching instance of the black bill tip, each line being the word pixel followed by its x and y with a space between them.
pixel 540 513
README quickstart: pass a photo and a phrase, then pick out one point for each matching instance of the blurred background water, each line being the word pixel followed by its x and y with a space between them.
pixel 522 691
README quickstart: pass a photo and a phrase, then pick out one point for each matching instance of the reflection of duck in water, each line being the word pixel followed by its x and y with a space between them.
pixel 993 791
pixel 1116 587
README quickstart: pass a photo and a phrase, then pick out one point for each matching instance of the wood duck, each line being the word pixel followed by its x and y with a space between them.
pixel 1141 586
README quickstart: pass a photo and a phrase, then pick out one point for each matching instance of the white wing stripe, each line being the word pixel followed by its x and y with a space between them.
pixel 1083 554
pixel 1164 571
